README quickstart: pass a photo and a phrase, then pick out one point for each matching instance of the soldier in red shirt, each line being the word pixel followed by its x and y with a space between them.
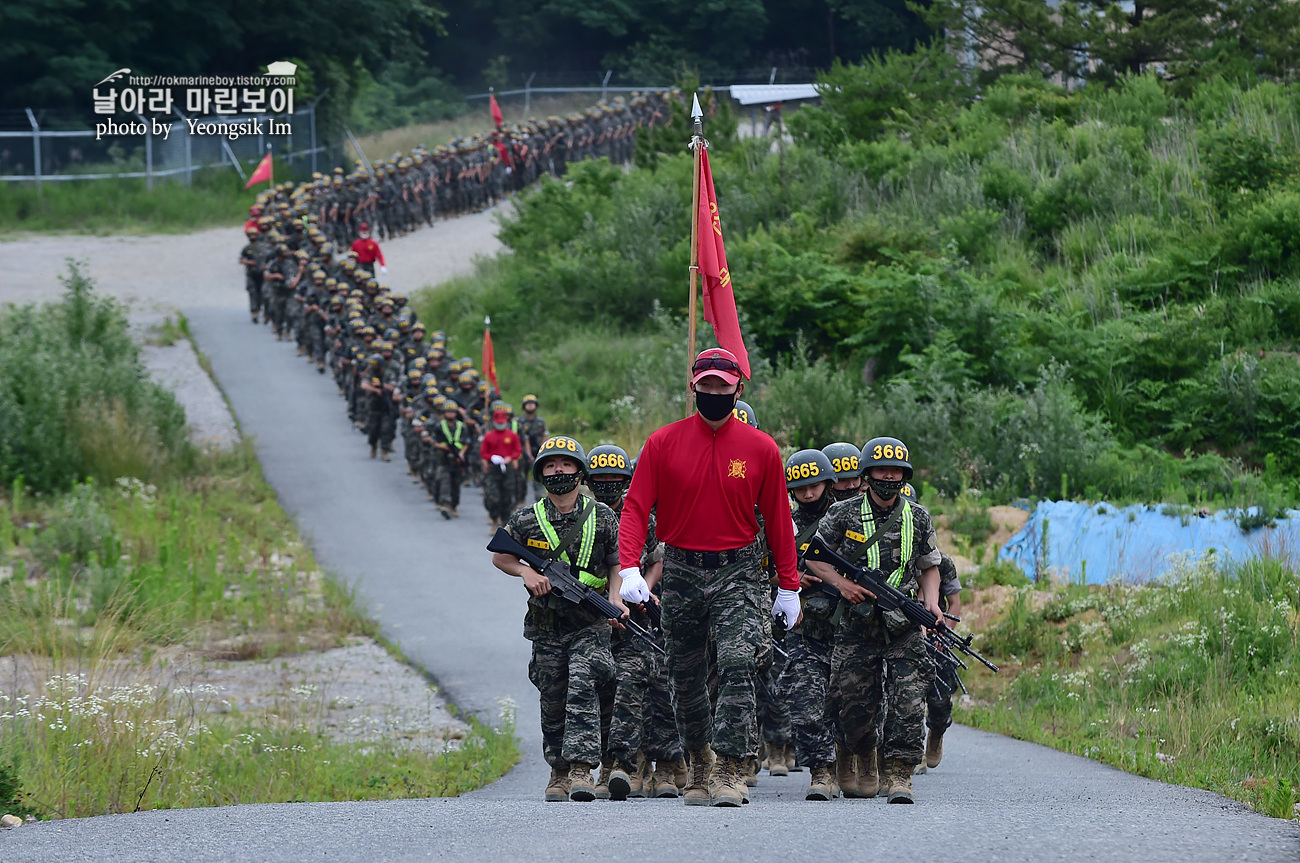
pixel 500 451
pixel 705 475
pixel 368 250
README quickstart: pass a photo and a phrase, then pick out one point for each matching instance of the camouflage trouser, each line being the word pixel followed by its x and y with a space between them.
pixel 567 670
pixel 635 664
pixel 722 603
pixel 773 704
pixel 499 492
pixel 381 424
pixel 662 742
pixel 938 702
pixel 446 481
pixel 806 682
pixel 253 284
pixel 865 664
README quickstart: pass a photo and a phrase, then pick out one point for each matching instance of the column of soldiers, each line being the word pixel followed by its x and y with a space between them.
pixel 835 696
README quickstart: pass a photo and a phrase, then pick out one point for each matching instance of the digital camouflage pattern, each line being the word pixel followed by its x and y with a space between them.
pixel 551 615
pixel 499 487
pixel 568 670
pixel 878 653
pixel 699 604
pixel 806 680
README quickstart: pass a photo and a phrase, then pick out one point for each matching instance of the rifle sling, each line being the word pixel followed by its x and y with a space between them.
pixel 893 519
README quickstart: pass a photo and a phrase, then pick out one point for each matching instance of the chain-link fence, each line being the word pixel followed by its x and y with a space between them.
pixel 160 148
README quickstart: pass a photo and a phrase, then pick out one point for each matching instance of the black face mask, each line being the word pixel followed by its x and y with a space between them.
pixel 713 406
pixel 561 483
pixel 609 492
pixel 886 489
pixel 818 507
pixel 845 493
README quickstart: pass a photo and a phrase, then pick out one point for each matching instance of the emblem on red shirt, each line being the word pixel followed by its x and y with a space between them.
pixel 737 469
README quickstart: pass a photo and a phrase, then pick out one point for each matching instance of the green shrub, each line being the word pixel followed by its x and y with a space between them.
pixel 75 400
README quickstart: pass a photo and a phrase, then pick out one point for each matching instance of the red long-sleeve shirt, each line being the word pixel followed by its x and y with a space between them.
pixel 368 251
pixel 705 484
pixel 502 442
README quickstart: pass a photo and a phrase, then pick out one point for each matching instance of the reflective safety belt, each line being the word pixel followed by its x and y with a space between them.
pixel 585 549
pixel 906 541
pixel 447 435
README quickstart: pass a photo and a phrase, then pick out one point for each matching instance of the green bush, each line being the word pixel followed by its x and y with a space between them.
pixel 75 401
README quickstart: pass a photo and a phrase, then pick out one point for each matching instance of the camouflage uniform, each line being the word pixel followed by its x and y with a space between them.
pixel 806 680
pixel 938 702
pixel 571 654
pixel 533 430
pixel 879 651
pixel 722 604
pixel 499 483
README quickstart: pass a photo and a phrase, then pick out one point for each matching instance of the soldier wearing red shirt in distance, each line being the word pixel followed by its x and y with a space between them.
pixel 706 474
pixel 368 250
pixel 500 451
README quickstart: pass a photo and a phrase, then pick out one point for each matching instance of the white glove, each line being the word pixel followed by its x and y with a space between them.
pixel 787 603
pixel 498 460
pixel 382 269
pixel 634 588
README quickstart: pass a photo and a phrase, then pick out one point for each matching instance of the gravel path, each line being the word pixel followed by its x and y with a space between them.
pixel 431 585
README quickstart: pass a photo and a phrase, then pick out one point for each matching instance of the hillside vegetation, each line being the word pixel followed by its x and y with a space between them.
pixel 1087 294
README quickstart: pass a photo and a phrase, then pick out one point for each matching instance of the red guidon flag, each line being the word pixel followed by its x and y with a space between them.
pixel 261 172
pixel 719 299
pixel 489 356
pixel 497 116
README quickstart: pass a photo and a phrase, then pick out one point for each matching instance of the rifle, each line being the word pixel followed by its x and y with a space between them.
pixel 565 584
pixel 890 598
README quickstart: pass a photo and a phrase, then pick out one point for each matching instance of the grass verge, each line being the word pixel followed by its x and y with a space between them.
pixel 97 581
pixel 1191 679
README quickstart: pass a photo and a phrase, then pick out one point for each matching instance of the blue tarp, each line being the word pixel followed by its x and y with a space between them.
pixel 1100 542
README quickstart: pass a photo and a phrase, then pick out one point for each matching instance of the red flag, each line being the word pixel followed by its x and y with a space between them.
pixel 719 299
pixel 497 116
pixel 262 172
pixel 489 358
pixel 503 153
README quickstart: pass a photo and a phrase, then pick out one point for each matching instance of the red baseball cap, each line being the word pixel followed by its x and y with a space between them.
pixel 716 361
pixel 362 226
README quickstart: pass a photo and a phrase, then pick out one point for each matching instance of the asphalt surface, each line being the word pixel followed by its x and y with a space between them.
pixel 431 585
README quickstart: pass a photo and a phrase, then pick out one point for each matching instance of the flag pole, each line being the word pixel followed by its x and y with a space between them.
pixel 697 143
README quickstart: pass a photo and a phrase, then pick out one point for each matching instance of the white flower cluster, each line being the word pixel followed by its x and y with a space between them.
pixel 131 488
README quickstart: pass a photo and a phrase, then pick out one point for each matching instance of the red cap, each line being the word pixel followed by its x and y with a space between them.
pixel 715 361
pixel 362 226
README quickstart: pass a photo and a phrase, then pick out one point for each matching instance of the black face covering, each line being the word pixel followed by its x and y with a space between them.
pixel 845 493
pixel 713 406
pixel 886 489
pixel 609 492
pixel 561 483
pixel 818 507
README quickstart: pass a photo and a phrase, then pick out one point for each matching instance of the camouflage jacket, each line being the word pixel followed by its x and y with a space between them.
pixel 550 615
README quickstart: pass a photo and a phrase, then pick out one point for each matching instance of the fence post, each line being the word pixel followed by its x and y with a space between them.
pixel 148 152
pixel 604 84
pixel 189 153
pixel 528 94
pixel 36 146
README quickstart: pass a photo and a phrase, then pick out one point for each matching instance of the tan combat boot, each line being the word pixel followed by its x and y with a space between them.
pixel 621 779
pixel 883 790
pixel 681 773
pixel 776 763
pixel 934 748
pixel 557 790
pixel 791 762
pixel 386 455
pixel 697 785
pixel 821 784
pixel 868 777
pixel 374 450
pixel 661 782
pixel 641 778
pixel 602 781
pixel 580 788
pixel 725 782
pixel 749 771
pixel 847 772
pixel 900 780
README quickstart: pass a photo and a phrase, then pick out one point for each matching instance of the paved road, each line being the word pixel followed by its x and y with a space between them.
pixel 430 584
